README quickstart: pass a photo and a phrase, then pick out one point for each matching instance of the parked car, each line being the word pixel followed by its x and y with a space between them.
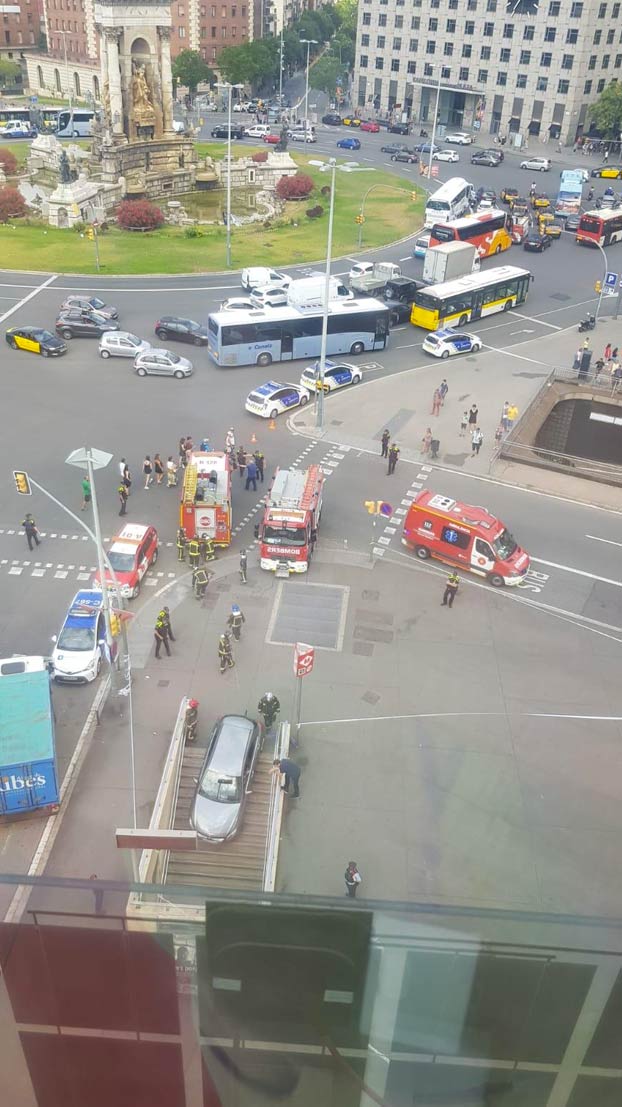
pixel 335 376
pixel 408 156
pixel 446 342
pixel 90 303
pixel 122 344
pixel 351 121
pixel 539 165
pixel 482 157
pixel 446 155
pixel 459 138
pixel 224 780
pixel 35 340
pixel 349 144
pixel 183 330
pixel 536 243
pixel 83 324
pixel 162 363
pixel 331 119
pixel 370 125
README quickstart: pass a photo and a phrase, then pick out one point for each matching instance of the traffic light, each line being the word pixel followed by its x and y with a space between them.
pixel 598 287
pixel 90 234
pixel 115 624
pixel 22 484
pixel 359 219
pixel 413 195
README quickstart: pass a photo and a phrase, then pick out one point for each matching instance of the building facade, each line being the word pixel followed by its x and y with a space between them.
pixel 210 25
pixel 509 67
pixel 20 28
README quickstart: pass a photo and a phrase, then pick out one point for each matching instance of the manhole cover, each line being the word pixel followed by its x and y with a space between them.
pixel 371 697
pixel 307 612
pixel 561 297
pixel 163 683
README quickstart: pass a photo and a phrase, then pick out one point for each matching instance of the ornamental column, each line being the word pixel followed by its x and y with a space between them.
pixel 112 36
pixel 166 72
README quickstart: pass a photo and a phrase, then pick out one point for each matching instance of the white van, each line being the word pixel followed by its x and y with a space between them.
pixel 449 202
pixel 260 277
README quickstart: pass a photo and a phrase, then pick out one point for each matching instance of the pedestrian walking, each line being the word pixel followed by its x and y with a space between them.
pixel 386 437
pixel 225 653
pixel 32 534
pixel 181 544
pixel 599 367
pixel 449 595
pixel 158 468
pixel 269 707
pixel 436 402
pixel 259 462
pixel 251 474
pixel 473 413
pixel 182 451
pixel 122 491
pixel 606 156
pixel 194 552
pixel 86 493
pixel 499 435
pixel 165 617
pixel 513 414
pixel 126 477
pixel 236 621
pixel 426 442
pixel 147 471
pixel 98 895
pixel 122 465
pixel 443 389
pixel 532 190
pixel 241 460
pixel 230 439
pixel 290 771
pixel 243 565
pixel 160 634
pixel 616 378
pixel 476 441
pixel 352 878
pixel 463 423
pixel 505 421
pixel 607 353
pixel 394 455
pixel 171 472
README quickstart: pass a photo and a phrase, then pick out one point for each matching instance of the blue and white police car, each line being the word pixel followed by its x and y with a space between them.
pixel 272 398
pixel 335 376
pixel 446 342
pixel 80 646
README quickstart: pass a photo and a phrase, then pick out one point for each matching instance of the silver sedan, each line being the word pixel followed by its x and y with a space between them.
pixel 163 363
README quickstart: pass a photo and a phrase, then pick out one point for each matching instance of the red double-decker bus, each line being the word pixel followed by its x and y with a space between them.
pixel 600 228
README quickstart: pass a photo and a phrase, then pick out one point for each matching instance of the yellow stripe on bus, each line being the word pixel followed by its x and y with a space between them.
pixel 493 305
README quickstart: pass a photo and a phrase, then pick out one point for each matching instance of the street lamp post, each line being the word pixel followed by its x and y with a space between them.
pixel 438 96
pixel 281 72
pixel 231 87
pixel 309 42
pixel 67 82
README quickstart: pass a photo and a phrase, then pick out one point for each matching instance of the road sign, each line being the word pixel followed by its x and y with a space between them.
pixel 611 281
pixel 385 509
pixel 303 659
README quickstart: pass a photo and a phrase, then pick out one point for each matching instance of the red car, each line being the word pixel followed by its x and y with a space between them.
pixel 369 125
pixel 132 552
pixel 272 139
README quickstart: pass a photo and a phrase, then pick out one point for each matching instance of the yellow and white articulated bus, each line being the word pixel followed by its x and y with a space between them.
pixel 456 303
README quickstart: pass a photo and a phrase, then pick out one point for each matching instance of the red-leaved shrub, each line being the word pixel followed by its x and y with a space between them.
pixel 12 203
pixel 261 156
pixel 139 215
pixel 8 161
pixel 297 187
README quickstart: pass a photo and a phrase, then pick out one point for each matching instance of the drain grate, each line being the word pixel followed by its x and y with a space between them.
pixel 307 612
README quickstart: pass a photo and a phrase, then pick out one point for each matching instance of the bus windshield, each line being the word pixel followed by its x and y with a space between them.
pixel 284 536
pixel 443 233
pixel 590 223
pixel 505 545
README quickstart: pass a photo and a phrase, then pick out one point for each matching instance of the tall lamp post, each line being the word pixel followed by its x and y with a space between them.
pixel 438 96
pixel 67 81
pixel 308 42
pixel 231 87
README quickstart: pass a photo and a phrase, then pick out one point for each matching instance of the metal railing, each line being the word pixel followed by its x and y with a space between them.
pixel 165 801
pixel 275 813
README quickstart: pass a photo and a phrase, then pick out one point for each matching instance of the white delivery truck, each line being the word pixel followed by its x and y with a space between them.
pixel 449 261
pixel 308 292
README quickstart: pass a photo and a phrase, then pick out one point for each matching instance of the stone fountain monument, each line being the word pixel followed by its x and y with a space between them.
pixel 135 146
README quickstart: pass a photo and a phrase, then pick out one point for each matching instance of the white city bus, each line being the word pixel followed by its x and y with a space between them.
pixel 449 202
pixel 286 333
pixel 75 123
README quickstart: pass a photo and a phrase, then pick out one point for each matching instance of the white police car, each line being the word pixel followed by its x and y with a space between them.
pixel 79 649
pixel 271 399
pixel 335 376
pixel 446 342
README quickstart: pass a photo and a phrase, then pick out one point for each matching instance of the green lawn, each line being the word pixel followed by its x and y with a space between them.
pixel 390 213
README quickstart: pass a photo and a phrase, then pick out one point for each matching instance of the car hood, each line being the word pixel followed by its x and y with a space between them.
pixel 72 661
pixel 215 820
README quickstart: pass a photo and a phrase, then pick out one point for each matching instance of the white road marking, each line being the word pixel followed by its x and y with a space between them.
pixel 578 572
pixel 30 296
pixel 532 319
pixel 609 541
pixel 465 715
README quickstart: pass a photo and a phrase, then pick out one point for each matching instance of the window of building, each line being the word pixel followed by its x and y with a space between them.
pixel 382 20
pixel 445 72
pixel 413 45
pixel 433 24
pixel 40 76
pixel 482 76
pixel 602 11
pixel 491 5
pixel 380 42
pixel 448 49
pixel 563 87
pixel 587 87
pixel 463 73
pixel 542 84
pixel 502 78
pixel 471 5
pixel 366 19
pixel 453 4
pixel 567 61
pixel 415 23
pixel 412 67
pixel 606 61
pixel 428 69
pixel 601 84
pixel 379 63
pixel 504 55
pixel 364 61
pixel 182 32
pixel 430 47
pixel 549 34
pixel 545 60
pixel 572 36
pixel 364 40
pixel 610 35
pixel 615 11
pixel 399 22
pixel 467 50
pixel 525 57
pixel 469 27
pixel 451 26
pixel 213 11
pixel 214 53
pixel 554 7
pixel 528 33
pixel 395 65
pixel 435 3
pixel 618 62
pixel 592 62
pixel 597 37
pixel 521 80
pixel 508 30
pixel 223 32
pixel 489 30
pixel 485 53
pixel 576 10
pixel 213 32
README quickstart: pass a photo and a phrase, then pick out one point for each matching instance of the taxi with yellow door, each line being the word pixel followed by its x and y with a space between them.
pixel 36 340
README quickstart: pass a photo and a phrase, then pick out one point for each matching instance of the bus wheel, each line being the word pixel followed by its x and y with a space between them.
pixel 507 305
pixel 462 322
pixel 496 580
pixel 264 359
pixel 498 250
pixel 422 552
pixel 357 348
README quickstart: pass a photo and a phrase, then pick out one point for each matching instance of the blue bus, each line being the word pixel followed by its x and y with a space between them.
pixel 287 333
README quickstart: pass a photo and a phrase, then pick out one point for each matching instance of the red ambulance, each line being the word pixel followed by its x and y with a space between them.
pixel 464 536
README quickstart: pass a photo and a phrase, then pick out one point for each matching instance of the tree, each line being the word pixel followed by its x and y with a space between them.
pixel 607 111
pixel 10 73
pixel 139 215
pixel 12 204
pixel 255 63
pixel 191 70
pixel 8 161
pixel 342 47
pixel 325 73
pixel 347 13
pixel 297 187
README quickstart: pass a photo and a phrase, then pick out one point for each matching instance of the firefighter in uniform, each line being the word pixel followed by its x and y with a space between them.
pixel 269 707
pixel 208 553
pixel 191 719
pixel 194 551
pixel 200 581
pixel 164 616
pixel 260 462
pixel 225 655
pixel 453 581
pixel 181 544
pixel 243 566
pixel 235 621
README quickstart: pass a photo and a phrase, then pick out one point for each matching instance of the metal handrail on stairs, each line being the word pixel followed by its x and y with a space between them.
pixel 275 813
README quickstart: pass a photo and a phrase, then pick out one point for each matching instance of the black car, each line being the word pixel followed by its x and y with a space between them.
pixel 536 243
pixel 482 157
pixel 83 324
pixel 222 131
pixel 184 330
pixel 399 129
pixel 393 148
pixel 332 119
pixel 90 303
pixel 405 155
pixel 35 340
pixel 572 223
pixel 613 171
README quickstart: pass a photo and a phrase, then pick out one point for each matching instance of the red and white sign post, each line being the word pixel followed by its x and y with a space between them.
pixel 304 657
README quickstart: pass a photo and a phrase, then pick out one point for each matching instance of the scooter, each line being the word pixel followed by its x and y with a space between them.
pixel 423 133
pixel 588 324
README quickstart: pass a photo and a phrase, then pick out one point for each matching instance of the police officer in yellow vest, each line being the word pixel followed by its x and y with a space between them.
pixel 453 580
pixel 194 550
pixel 181 544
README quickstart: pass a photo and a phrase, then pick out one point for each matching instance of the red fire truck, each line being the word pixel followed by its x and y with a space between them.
pixel 464 536
pixel 206 497
pixel 288 530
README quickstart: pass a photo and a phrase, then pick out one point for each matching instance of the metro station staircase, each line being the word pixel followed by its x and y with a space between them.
pixel 236 864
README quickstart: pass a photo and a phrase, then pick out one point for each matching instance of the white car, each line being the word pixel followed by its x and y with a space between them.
pixel 258 131
pixel 459 138
pixel 260 277
pixel 272 399
pixel 122 344
pixel 79 647
pixel 237 303
pixel 240 106
pixel 335 376
pixel 583 173
pixel 273 296
pixel 445 155
pixel 540 165
pixel 446 342
pixel 301 136
pixel 360 268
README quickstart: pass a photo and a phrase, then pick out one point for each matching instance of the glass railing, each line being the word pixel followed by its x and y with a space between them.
pixel 302 1001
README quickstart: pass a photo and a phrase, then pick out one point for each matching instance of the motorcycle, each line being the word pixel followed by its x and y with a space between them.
pixel 587 324
pixel 423 133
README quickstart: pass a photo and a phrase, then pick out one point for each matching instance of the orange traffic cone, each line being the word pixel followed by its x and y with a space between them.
pixel 253 439
pixel 271 425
